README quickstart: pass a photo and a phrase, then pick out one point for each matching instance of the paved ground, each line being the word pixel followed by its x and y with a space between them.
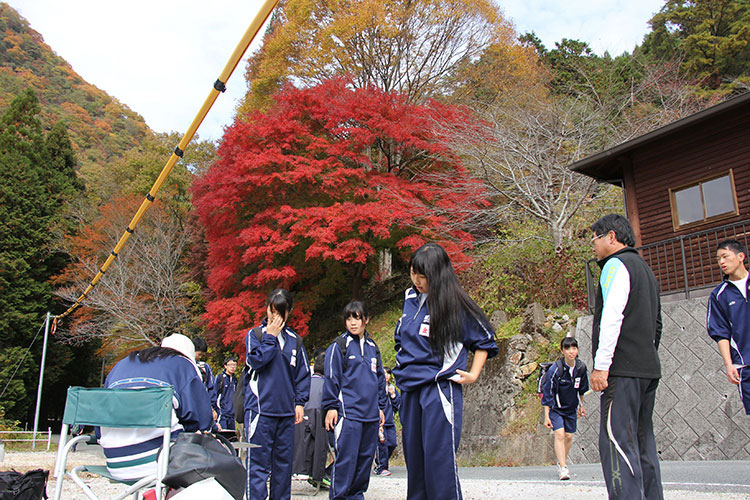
pixel 682 481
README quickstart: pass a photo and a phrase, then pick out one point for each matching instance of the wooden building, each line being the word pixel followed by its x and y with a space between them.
pixel 686 187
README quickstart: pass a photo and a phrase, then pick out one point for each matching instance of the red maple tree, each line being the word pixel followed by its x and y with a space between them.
pixel 307 194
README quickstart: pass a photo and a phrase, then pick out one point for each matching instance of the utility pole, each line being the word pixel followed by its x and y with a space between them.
pixel 41 378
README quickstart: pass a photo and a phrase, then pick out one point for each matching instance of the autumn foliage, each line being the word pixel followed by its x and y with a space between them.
pixel 308 194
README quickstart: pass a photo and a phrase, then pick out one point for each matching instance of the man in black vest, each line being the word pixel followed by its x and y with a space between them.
pixel 625 339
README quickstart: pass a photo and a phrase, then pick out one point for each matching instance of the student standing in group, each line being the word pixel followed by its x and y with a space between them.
pixel 625 342
pixel 387 440
pixel 728 318
pixel 207 375
pixel 439 325
pixel 226 384
pixel 562 400
pixel 353 399
pixel 275 396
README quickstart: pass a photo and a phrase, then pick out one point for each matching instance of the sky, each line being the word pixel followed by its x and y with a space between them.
pixel 161 57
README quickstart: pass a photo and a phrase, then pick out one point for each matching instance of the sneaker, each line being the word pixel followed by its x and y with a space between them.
pixel 564 474
pixel 384 472
pixel 325 482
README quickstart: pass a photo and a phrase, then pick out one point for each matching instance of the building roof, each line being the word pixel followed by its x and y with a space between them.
pixel 607 165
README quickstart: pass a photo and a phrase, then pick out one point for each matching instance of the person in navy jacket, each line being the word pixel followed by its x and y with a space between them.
pixel 562 399
pixel 387 439
pixel 353 400
pixel 728 318
pixel 275 396
pixel 439 324
pixel 131 453
pixel 226 384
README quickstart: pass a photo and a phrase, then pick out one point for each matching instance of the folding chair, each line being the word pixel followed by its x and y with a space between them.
pixel 149 407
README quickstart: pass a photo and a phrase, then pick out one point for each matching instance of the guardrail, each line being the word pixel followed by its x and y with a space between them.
pixel 682 264
pixel 33 438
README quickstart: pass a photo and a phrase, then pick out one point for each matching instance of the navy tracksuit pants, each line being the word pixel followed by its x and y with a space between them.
pixel 431 417
pixel 275 436
pixel 627 447
pixel 355 449
pixel 386 448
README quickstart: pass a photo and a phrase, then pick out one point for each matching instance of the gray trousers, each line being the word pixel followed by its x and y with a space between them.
pixel 627 447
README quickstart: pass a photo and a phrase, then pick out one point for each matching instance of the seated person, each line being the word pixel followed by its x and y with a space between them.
pixel 132 453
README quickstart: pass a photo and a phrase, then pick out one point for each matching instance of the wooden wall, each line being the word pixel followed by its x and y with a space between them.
pixel 710 148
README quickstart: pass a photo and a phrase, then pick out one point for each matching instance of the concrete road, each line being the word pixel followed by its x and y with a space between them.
pixel 706 476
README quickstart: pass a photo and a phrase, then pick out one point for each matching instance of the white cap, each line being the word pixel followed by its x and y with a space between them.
pixel 180 343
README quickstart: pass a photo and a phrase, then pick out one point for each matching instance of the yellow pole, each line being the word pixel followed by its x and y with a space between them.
pixel 219 86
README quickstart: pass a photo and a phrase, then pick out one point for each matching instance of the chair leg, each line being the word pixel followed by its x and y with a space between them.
pixel 84 487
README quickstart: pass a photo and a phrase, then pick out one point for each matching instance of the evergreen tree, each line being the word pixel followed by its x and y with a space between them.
pixel 711 37
pixel 37 178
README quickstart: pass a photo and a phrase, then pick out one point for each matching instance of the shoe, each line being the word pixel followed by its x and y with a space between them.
pixel 564 474
pixel 384 472
pixel 324 483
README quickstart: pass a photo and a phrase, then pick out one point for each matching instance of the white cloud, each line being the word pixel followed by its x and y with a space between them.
pixel 161 57
pixel 607 25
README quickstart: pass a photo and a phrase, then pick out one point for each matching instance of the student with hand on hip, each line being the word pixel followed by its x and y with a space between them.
pixel 439 325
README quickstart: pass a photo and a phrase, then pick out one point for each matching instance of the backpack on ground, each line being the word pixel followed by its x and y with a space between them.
pixel 29 486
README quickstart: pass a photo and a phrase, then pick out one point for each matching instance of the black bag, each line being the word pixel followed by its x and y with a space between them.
pixel 29 486
pixel 195 457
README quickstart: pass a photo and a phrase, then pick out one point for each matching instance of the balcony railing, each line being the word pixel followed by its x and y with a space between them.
pixel 683 264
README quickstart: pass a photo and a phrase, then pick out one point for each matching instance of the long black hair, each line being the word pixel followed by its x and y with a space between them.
pixel 447 301
pixel 280 301
pixel 156 352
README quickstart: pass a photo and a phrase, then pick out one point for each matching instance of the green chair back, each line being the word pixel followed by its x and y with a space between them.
pixel 148 407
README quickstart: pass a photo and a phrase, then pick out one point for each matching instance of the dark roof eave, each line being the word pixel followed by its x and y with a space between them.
pixel 593 166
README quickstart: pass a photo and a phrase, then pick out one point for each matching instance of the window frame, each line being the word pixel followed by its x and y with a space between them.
pixel 727 215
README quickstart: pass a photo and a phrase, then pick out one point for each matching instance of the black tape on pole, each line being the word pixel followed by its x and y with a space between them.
pixel 149 197
pixel 179 152
pixel 219 85
pixel 129 230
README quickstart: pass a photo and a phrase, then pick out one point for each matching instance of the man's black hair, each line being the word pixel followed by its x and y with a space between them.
pixel 200 344
pixel 617 223
pixel 733 246
pixel 568 342
pixel 228 359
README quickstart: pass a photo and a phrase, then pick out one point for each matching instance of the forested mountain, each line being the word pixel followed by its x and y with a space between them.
pixel 100 127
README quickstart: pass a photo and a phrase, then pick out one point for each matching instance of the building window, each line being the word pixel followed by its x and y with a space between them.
pixel 705 201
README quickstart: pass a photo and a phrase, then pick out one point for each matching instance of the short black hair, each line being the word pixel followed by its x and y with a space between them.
pixel 356 309
pixel 733 246
pixel 617 223
pixel 228 359
pixel 568 342
pixel 319 363
pixel 200 344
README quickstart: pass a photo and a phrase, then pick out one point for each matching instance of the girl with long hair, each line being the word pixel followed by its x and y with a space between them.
pixel 439 324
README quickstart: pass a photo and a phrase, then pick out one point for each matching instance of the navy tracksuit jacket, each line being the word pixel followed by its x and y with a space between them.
pixel 355 387
pixel 279 381
pixel 432 403
pixel 728 318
